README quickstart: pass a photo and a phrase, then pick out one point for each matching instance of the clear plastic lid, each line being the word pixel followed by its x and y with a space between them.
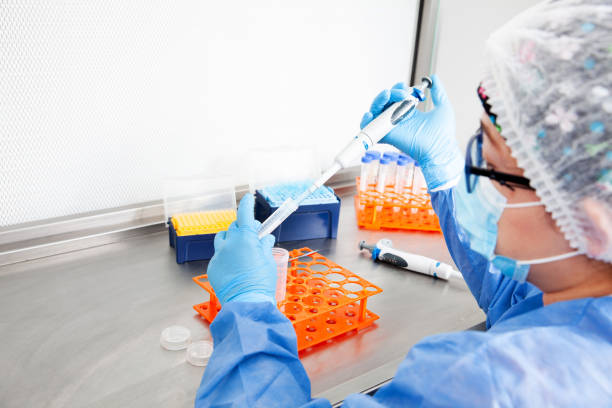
pixel 175 338
pixel 197 194
pixel 270 167
pixel 199 352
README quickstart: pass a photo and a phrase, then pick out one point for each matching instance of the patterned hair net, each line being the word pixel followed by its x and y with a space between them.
pixel 549 81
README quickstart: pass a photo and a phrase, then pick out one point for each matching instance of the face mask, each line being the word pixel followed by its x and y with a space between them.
pixel 478 214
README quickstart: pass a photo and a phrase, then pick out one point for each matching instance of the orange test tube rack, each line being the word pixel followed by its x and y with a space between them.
pixel 323 301
pixel 390 210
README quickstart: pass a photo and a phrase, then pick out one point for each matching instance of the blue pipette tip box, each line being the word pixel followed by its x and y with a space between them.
pixel 309 221
pixel 191 247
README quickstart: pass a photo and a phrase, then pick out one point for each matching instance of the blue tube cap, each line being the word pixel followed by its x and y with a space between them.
pixel 385 160
pixel 373 154
pixel 404 156
pixel 391 155
pixel 405 160
pixel 366 159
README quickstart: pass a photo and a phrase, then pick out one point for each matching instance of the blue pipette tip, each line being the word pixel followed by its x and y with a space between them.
pixel 276 194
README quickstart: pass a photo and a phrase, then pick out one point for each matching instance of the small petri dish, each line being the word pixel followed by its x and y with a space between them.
pixel 199 352
pixel 175 338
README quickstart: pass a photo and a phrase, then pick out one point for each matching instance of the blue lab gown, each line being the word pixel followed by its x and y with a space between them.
pixel 531 355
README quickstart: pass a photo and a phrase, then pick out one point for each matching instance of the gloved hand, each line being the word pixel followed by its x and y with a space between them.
pixel 243 268
pixel 429 138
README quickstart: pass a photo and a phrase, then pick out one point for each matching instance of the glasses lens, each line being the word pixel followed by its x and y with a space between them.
pixel 473 158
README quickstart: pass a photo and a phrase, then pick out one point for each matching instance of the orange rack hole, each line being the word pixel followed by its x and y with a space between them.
pixel 390 210
pixel 323 299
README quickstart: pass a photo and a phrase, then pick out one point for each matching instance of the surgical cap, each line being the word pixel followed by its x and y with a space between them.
pixel 548 79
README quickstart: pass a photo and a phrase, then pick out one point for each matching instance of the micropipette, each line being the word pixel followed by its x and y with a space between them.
pixel 369 135
pixel 384 251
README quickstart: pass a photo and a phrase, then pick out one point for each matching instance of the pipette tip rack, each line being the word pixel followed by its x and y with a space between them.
pixel 192 234
pixel 309 221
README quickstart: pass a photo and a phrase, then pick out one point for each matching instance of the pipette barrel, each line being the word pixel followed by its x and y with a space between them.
pixel 368 136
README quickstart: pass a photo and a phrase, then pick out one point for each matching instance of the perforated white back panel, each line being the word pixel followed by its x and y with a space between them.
pixel 100 100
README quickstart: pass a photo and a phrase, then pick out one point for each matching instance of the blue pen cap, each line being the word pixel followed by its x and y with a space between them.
pixel 366 159
pixel 373 154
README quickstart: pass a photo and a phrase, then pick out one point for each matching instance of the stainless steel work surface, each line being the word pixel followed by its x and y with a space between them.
pixel 82 329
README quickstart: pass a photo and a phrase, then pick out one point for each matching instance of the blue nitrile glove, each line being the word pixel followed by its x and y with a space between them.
pixel 429 138
pixel 243 268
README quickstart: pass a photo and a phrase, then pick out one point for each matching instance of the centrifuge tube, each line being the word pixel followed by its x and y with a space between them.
pixel 418 185
pixel 392 157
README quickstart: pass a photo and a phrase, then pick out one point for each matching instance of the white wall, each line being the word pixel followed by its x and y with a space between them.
pixel 101 100
pixel 463 28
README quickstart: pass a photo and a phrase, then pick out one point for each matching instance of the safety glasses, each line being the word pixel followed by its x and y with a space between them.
pixel 474 163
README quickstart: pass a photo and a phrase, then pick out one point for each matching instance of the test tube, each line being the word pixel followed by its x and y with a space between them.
pixel 373 172
pixel 375 155
pixel 400 180
pixel 400 175
pixel 408 176
pixel 364 178
pixel 418 184
pixel 383 174
pixel 281 257
pixel 381 182
pixel 392 157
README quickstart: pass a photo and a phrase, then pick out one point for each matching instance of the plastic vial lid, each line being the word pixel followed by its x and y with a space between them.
pixel 199 352
pixel 404 160
pixel 391 155
pixel 175 338
pixel 405 157
pixel 373 154
pixel 366 159
pixel 385 160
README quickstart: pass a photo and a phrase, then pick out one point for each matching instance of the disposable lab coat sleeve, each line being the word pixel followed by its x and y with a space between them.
pixel 494 292
pixel 541 357
pixel 255 362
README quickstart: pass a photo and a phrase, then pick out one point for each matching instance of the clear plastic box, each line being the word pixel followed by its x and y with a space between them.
pixel 198 193
pixel 284 164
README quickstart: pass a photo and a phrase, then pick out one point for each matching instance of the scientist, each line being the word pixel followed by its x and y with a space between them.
pixel 527 219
